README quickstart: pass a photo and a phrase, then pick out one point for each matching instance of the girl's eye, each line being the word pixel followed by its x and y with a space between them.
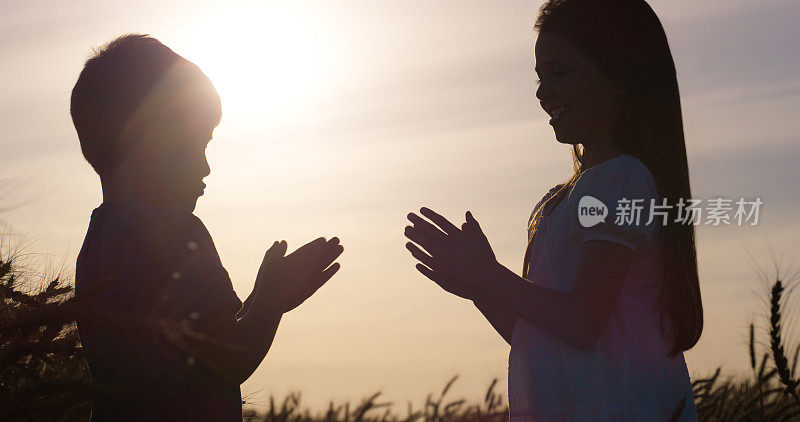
pixel 554 73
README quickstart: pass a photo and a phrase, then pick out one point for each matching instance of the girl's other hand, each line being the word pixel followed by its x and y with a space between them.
pixel 461 261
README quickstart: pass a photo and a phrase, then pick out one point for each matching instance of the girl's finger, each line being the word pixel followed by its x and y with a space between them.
pixel 419 254
pixel 474 225
pixel 440 221
pixel 473 222
pixel 427 228
pixel 432 247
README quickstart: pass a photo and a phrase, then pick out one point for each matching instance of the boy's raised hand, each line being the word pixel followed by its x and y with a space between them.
pixel 289 280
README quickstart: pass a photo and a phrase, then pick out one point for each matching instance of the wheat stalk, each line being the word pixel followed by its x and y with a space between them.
pixel 776 343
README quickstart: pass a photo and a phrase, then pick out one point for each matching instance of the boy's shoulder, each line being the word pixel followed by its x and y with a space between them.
pixel 145 235
pixel 149 226
pixel 135 251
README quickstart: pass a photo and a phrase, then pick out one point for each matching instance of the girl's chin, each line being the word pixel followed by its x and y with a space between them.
pixel 565 139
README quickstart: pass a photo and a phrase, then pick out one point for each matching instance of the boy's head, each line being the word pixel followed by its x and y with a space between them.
pixel 144 116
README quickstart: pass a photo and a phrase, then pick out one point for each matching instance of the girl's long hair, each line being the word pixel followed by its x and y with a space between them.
pixel 625 39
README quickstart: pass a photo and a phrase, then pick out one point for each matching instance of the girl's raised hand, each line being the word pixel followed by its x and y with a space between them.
pixel 461 261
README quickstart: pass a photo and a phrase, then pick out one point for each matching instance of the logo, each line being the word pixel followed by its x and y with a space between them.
pixel 591 211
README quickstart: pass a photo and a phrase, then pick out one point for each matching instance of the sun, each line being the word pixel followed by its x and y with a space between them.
pixel 265 58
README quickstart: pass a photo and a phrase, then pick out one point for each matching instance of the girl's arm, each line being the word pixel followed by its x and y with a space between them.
pixel 578 317
pixel 465 262
pixel 502 320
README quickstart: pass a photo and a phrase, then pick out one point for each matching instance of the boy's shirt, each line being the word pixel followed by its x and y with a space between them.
pixel 141 264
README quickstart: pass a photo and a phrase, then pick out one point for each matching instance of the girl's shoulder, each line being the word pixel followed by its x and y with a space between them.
pixel 544 199
pixel 623 175
pixel 614 201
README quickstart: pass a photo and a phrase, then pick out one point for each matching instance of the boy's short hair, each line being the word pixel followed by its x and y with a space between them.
pixel 113 88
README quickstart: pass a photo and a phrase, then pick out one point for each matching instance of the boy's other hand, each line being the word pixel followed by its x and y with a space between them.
pixel 287 281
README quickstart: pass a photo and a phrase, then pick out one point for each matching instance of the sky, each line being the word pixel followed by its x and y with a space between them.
pixel 341 117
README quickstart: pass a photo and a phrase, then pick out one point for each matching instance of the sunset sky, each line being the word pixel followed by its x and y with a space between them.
pixel 340 117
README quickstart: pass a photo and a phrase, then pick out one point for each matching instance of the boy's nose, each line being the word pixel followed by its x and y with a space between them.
pixel 206 168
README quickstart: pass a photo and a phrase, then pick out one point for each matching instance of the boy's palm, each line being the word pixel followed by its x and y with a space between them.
pixel 290 280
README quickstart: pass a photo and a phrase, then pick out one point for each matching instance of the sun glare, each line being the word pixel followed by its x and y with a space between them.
pixel 265 59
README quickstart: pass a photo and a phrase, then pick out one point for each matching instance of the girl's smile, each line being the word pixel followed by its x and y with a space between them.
pixel 581 103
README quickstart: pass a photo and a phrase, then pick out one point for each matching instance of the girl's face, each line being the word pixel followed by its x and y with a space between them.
pixel 581 103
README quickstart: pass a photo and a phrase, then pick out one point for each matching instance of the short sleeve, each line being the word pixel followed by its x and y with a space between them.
pixel 190 279
pixel 544 199
pixel 612 201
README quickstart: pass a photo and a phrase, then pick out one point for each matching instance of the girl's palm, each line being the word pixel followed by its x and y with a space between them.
pixel 460 260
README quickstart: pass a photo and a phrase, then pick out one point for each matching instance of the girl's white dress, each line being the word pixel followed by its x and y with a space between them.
pixel 626 376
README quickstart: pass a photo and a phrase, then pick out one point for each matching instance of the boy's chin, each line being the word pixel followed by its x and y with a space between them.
pixel 187 203
pixel 192 204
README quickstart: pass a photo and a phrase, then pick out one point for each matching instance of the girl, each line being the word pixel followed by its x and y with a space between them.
pixel 610 297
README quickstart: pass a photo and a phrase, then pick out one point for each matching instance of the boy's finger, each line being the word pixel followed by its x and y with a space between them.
pixel 276 250
pixel 310 250
pixel 271 249
pixel 327 274
pixel 331 255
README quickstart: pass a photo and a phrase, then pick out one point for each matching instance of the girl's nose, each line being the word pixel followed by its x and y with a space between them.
pixel 543 92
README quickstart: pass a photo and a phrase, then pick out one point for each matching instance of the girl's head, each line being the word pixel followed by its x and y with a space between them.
pixel 582 101
pixel 614 73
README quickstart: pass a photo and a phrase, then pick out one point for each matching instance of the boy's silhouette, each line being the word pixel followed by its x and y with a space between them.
pixel 160 322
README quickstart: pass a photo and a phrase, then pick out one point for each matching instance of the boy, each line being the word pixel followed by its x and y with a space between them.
pixel 160 322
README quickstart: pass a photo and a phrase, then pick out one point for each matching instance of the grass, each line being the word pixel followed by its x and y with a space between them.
pixel 43 372
pixel 435 409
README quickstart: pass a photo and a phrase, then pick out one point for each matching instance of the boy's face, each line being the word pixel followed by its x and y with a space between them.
pixel 173 156
pixel 180 164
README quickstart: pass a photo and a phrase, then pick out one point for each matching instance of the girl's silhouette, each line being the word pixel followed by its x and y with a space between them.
pixel 610 297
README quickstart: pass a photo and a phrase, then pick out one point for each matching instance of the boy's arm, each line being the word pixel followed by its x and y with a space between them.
pixel 247 302
pixel 283 283
pixel 235 347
